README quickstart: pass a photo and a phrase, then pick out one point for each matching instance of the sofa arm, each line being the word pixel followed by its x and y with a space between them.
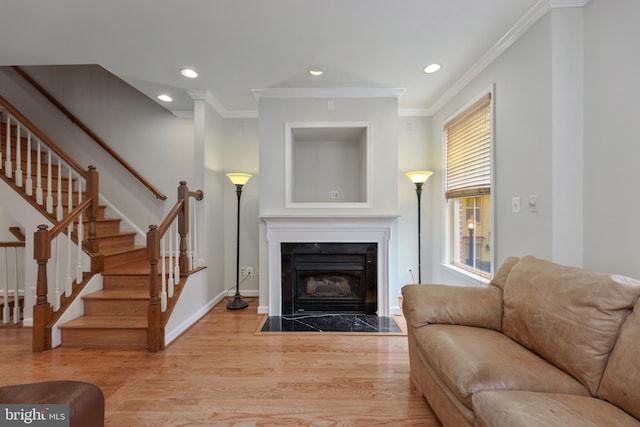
pixel 454 305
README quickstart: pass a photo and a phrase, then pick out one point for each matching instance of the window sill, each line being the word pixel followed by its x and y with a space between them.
pixel 476 280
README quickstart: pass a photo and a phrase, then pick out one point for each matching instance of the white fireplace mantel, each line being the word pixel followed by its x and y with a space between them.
pixel 328 229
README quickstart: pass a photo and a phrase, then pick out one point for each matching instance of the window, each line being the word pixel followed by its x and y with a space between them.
pixel 468 171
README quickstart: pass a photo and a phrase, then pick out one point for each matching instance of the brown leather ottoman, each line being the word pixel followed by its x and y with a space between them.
pixel 86 401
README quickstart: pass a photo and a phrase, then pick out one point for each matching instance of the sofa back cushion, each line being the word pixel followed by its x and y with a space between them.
pixel 569 316
pixel 621 380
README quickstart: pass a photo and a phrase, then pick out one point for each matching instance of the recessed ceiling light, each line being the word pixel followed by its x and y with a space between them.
pixel 315 71
pixel 432 68
pixel 188 72
pixel 164 97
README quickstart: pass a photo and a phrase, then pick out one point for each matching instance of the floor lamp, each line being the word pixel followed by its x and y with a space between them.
pixel 238 179
pixel 419 178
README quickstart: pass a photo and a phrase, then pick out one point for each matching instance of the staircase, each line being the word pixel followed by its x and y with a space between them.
pixel 116 316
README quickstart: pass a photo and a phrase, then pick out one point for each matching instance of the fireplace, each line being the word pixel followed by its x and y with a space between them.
pixel 326 229
pixel 329 277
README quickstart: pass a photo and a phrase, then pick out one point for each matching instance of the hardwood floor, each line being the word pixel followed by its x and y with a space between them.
pixel 220 373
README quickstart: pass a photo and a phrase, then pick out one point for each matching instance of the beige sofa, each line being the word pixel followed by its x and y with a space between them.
pixel 542 345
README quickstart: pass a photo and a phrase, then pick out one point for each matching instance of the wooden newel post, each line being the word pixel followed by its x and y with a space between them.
pixel 91 177
pixel 154 314
pixel 183 225
pixel 42 308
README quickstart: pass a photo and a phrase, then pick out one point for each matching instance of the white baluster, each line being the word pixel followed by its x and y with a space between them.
pixel 163 294
pixel 190 263
pixel 39 196
pixel 16 301
pixel 6 313
pixel 8 169
pixel 69 281
pixel 80 238
pixel 170 284
pixel 56 298
pixel 28 184
pixel 18 177
pixel 194 230
pixel 49 186
pixel 176 269
pixel 59 210
pixel 1 146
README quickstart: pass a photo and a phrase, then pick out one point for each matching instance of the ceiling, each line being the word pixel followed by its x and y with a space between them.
pixel 238 46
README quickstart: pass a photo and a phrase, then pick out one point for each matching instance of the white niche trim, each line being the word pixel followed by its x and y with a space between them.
pixel 328 164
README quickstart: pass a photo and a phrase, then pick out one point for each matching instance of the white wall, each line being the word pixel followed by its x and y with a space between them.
pixel 612 150
pixel 381 112
pixel 522 126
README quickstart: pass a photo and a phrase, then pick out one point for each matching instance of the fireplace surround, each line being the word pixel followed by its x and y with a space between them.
pixel 327 229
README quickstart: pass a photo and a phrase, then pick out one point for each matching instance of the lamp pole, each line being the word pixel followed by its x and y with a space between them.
pixel 238 179
pixel 419 178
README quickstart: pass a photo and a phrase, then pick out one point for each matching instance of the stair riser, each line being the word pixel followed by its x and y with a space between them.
pixel 125 282
pixel 108 226
pixel 107 338
pixel 115 307
pixel 121 258
pixel 121 241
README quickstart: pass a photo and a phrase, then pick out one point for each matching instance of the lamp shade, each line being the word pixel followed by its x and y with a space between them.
pixel 419 177
pixel 239 178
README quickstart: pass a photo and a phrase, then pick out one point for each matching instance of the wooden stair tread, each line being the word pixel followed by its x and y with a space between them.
pixel 105 322
pixel 118 294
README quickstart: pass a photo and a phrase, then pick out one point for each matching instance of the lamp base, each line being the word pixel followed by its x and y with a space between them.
pixel 237 304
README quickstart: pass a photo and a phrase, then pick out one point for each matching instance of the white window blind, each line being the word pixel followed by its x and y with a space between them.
pixel 469 151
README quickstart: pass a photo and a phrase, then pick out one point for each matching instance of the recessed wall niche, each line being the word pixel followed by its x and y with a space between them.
pixel 328 164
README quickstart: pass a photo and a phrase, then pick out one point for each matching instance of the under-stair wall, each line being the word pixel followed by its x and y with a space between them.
pixel 149 137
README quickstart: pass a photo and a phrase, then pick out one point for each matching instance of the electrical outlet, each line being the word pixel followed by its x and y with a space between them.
pixel 249 271
pixel 243 271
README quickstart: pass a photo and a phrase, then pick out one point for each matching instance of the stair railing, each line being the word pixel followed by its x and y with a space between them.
pixel 48 241
pixel 173 245
pixel 12 288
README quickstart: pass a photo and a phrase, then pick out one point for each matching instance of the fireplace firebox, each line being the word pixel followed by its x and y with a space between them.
pixel 329 278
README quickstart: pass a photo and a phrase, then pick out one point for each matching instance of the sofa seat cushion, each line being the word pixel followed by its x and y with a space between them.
pixel 500 408
pixel 469 359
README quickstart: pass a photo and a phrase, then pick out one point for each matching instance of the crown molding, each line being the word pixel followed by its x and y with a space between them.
pixel 329 92
pixel 557 4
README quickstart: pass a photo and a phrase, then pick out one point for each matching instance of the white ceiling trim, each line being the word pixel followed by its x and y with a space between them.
pixel 329 92
pixel 556 4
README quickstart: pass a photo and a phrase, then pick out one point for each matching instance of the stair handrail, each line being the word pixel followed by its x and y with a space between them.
pixel 42 249
pixel 75 120
pixel 180 211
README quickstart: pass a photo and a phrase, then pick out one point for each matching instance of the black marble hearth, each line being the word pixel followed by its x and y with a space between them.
pixel 323 322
